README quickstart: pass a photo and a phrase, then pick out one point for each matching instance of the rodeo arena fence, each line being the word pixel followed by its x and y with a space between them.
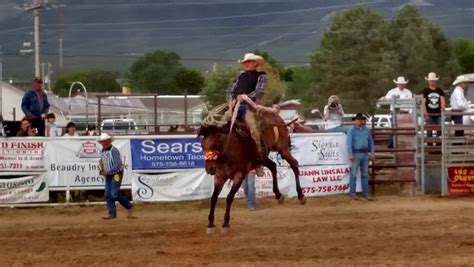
pixel 171 167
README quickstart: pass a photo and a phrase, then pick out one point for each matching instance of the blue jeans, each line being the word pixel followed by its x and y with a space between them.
pixel 249 189
pixel 433 121
pixel 112 194
pixel 361 162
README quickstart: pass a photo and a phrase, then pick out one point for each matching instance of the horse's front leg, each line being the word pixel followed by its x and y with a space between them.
pixel 218 184
pixel 273 169
pixel 237 181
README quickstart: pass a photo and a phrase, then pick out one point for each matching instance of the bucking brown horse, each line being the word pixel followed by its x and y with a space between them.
pixel 231 155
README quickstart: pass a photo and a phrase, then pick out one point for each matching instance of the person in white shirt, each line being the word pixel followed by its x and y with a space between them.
pixel 458 101
pixel 333 114
pixel 399 92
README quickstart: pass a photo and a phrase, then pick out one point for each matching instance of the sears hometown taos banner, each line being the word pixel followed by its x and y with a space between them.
pixel 166 153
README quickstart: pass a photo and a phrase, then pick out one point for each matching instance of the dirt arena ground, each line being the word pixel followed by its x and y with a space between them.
pixel 327 231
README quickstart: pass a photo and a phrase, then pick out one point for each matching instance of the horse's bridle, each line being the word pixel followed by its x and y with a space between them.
pixel 211 155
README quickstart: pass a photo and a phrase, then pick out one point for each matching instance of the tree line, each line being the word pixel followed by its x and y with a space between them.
pixel 359 55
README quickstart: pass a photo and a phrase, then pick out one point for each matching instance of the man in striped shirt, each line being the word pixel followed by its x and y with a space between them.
pixel 111 167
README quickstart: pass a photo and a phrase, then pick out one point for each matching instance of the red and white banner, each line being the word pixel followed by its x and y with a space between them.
pixel 461 180
pixel 21 154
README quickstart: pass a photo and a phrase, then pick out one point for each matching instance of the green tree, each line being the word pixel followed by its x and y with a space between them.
pixel 94 80
pixel 353 62
pixel 161 72
pixel 216 84
pixel 464 50
pixel 189 80
pixel 273 62
pixel 301 80
pixel 421 47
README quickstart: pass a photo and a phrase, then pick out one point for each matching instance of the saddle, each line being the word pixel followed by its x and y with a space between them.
pixel 220 117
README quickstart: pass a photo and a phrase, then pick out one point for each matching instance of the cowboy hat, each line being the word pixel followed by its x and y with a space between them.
pixel 460 79
pixel 104 137
pixel 400 80
pixel 251 57
pixel 359 116
pixel 333 99
pixel 432 77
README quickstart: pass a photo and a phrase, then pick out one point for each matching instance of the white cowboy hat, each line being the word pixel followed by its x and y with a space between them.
pixel 400 80
pixel 104 136
pixel 432 77
pixel 251 56
pixel 460 79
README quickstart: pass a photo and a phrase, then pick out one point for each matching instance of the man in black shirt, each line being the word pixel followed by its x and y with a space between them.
pixel 250 83
pixel 434 102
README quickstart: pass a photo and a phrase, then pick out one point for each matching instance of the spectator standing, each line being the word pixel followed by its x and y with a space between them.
pixel 359 145
pixel 459 102
pixel 71 130
pixel 434 103
pixel 333 114
pixel 249 190
pixel 26 129
pixel 35 105
pixel 111 167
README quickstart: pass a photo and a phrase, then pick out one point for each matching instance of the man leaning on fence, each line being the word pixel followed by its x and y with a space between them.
pixel 459 102
pixel 35 105
pixel 111 167
pixel 359 144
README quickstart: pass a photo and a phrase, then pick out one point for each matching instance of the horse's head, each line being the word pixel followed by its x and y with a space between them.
pixel 212 145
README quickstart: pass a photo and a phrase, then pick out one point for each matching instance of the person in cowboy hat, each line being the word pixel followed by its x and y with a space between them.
pixel 434 102
pixel 249 83
pixel 111 167
pixel 359 144
pixel 333 114
pixel 400 92
pixel 458 101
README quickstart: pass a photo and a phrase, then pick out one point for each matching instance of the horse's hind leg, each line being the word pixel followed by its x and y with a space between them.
pixel 238 178
pixel 273 168
pixel 294 166
pixel 218 184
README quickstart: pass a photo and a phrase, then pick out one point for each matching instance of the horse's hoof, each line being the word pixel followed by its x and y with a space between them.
pixel 210 230
pixel 225 230
pixel 281 199
pixel 303 200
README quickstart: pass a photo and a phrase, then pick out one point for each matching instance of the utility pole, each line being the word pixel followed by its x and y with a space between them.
pixel 37 7
pixel 61 53
pixel 1 64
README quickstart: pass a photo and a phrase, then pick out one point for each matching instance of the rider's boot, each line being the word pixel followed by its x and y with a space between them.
pixel 251 121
